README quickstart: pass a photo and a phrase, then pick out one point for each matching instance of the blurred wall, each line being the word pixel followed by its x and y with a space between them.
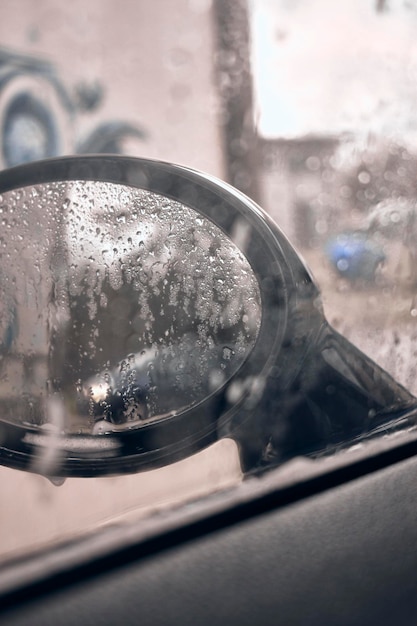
pixel 149 65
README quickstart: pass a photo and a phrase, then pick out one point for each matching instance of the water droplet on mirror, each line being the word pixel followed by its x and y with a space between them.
pixel 172 314
pixel 101 427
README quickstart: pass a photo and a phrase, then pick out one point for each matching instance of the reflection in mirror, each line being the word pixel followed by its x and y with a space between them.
pixel 120 307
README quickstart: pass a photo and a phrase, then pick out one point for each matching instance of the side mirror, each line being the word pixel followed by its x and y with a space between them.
pixel 149 310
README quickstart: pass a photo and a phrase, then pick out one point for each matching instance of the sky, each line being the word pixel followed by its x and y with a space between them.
pixel 324 67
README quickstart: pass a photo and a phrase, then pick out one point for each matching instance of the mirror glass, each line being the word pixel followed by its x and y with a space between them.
pixel 120 307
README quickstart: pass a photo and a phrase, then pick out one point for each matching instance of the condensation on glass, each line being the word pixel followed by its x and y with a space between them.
pixel 120 307
pixel 335 95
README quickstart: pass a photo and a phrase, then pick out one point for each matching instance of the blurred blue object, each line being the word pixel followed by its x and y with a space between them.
pixel 354 255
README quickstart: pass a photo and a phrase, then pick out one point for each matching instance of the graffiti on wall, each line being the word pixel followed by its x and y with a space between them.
pixel 39 115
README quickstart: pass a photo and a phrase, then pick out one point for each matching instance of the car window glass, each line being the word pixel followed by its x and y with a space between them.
pixel 306 107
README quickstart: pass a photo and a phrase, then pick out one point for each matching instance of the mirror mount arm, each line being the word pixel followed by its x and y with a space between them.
pixel 340 397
